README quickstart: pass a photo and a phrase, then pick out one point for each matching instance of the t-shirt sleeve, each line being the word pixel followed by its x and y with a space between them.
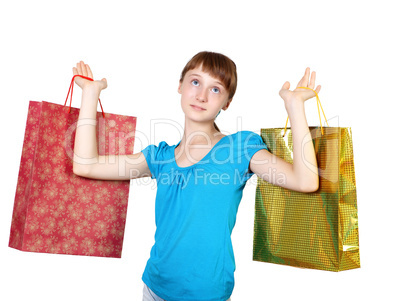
pixel 154 156
pixel 251 143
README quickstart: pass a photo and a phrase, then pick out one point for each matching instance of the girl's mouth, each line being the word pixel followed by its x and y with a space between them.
pixel 197 108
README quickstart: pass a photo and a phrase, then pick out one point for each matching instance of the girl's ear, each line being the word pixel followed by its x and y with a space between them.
pixel 227 104
pixel 179 89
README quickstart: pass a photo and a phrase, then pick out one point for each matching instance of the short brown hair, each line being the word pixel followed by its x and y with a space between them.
pixel 217 65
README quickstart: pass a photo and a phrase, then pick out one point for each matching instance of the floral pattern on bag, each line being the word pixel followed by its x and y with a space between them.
pixel 56 211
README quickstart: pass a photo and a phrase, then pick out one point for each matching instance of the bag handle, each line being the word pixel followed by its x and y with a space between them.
pixel 72 88
pixel 318 107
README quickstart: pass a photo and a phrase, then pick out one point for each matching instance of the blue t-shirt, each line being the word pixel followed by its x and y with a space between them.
pixel 195 212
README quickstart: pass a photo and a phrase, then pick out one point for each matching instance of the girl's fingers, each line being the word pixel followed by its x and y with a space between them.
pixel 286 86
pixel 306 77
pixel 89 72
pixel 79 71
pixel 312 80
pixel 304 80
pixel 83 69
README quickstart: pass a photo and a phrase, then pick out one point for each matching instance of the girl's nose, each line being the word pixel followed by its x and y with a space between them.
pixel 202 95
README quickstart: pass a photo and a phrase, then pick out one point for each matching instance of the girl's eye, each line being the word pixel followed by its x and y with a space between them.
pixel 195 82
pixel 215 90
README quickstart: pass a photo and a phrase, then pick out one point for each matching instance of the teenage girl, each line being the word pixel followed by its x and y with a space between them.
pixel 201 178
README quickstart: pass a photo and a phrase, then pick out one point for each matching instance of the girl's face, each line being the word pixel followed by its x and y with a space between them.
pixel 202 96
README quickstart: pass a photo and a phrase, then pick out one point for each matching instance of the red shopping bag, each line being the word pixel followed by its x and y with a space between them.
pixel 56 211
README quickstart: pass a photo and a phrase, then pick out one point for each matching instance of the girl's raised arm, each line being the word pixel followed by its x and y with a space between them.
pixel 299 175
pixel 87 162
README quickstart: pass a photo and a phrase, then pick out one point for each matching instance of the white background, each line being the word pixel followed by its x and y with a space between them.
pixel 141 47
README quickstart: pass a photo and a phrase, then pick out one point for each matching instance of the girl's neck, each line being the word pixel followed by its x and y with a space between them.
pixel 199 133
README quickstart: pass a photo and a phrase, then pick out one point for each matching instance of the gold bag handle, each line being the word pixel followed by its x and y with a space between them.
pixel 318 107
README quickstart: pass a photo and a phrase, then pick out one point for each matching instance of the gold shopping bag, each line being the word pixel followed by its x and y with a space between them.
pixel 316 230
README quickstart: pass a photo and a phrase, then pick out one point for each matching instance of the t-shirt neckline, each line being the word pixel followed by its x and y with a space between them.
pixel 195 164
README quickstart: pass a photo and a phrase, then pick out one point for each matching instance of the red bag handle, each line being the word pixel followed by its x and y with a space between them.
pixel 72 88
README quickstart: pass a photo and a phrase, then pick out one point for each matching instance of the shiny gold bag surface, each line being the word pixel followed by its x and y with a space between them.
pixel 316 230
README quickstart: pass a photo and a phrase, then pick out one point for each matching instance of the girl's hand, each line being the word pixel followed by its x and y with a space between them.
pixel 83 69
pixel 299 96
